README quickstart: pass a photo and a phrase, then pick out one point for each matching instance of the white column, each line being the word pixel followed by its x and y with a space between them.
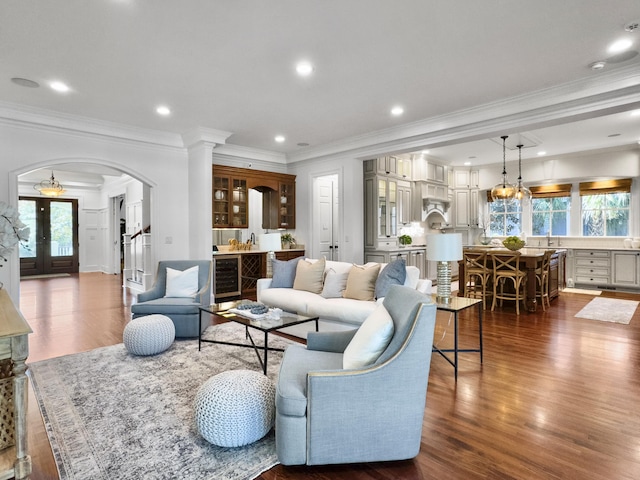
pixel 126 271
pixel 148 269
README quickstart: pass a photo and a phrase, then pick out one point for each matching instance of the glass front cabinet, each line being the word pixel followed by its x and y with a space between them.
pixel 230 202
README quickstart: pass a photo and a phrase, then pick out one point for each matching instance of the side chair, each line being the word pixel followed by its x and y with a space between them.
pixel 506 270
pixel 542 279
pixel 477 277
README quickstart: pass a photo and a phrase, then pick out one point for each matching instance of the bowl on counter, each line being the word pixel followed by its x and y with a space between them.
pixel 514 244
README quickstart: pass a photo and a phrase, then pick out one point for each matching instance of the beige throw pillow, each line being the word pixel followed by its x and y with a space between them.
pixel 309 276
pixel 361 282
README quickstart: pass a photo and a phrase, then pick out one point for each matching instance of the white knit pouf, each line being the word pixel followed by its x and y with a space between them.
pixel 149 335
pixel 235 408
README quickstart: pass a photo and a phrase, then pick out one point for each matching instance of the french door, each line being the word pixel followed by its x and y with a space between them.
pixel 53 242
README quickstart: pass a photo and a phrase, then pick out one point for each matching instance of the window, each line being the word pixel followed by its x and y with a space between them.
pixel 550 216
pixel 551 209
pixel 505 217
pixel 605 215
pixel 605 208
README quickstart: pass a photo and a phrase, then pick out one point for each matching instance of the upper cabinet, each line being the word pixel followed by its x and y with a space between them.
pixel 230 202
pixel 466 198
pixel 230 197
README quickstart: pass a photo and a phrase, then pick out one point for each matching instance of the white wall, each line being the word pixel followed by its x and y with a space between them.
pixel 164 169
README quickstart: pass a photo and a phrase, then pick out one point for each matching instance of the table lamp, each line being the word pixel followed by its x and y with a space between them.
pixel 444 248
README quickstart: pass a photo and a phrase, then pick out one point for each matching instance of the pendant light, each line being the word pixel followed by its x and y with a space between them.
pixel 50 188
pixel 523 194
pixel 504 190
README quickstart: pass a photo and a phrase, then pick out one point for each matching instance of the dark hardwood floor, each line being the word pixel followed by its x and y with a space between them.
pixel 557 397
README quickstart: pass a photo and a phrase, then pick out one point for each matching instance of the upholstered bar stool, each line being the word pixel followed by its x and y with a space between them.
pixel 542 279
pixel 506 269
pixel 477 277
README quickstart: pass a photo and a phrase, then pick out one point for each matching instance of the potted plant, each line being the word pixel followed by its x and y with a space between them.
pixel 404 240
pixel 287 240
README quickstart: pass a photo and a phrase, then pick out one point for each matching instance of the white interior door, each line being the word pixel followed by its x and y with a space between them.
pixel 326 226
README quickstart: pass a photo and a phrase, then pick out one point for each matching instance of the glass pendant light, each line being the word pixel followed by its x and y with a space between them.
pixel 523 194
pixel 504 190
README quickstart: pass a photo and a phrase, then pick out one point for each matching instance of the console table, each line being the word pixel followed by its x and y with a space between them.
pixel 14 348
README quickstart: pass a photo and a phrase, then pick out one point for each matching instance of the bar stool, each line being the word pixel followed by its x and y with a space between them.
pixel 542 279
pixel 476 276
pixel 506 268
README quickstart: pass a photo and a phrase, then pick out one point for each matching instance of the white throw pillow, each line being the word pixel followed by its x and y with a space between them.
pixel 371 339
pixel 182 283
pixel 334 284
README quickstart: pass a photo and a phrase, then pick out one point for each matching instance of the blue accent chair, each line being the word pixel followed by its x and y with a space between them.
pixel 184 312
pixel 328 415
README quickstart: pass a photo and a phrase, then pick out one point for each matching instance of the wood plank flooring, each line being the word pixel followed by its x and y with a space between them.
pixel 557 397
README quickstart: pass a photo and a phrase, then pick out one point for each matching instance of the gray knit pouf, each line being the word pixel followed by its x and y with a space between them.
pixel 235 408
pixel 149 335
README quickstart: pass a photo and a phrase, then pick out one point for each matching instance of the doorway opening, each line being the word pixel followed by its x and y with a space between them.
pixel 53 243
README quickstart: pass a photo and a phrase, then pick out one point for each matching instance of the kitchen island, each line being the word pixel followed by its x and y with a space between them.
pixel 530 259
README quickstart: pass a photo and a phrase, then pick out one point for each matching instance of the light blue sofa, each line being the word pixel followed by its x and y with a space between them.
pixel 184 312
pixel 328 415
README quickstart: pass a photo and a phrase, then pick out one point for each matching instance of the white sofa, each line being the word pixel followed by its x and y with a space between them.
pixel 334 313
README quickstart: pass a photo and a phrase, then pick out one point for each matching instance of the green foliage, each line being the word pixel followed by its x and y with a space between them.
pixel 405 240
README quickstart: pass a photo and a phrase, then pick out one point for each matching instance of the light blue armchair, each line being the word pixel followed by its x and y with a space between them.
pixel 184 312
pixel 328 415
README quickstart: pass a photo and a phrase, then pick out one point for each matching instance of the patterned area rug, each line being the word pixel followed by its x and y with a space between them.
pixel 609 310
pixel 109 414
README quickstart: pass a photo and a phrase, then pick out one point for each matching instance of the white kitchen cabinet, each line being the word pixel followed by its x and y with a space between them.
pixel 466 198
pixel 404 168
pixel 415 257
pixel 405 208
pixel 626 268
pixel 381 211
pixel 592 267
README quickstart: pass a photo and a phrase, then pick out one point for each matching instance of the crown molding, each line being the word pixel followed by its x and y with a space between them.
pixel 205 135
pixel 15 114
pixel 248 153
pixel 605 93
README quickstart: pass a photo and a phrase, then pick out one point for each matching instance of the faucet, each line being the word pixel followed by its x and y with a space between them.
pixel 253 238
pixel 549 242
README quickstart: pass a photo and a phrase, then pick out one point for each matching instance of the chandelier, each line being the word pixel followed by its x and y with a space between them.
pixel 504 190
pixel 50 187
pixel 523 194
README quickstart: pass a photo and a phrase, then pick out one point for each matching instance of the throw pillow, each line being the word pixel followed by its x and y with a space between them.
pixel 334 284
pixel 309 276
pixel 284 272
pixel 371 339
pixel 182 283
pixel 361 281
pixel 394 273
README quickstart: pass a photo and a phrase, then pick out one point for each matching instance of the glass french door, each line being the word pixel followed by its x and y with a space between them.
pixel 53 243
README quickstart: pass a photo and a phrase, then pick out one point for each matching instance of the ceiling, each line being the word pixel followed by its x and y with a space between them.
pixel 229 65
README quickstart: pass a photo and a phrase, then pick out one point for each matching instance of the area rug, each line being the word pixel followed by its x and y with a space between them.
pixel 609 310
pixel 109 414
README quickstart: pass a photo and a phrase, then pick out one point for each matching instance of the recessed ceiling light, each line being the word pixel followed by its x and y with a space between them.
pixel 397 111
pixel 303 144
pixel 25 82
pixel 635 113
pixel 620 45
pixel 59 87
pixel 542 153
pixel 279 138
pixel 163 110
pixel 304 69
pixel 599 65
pixel 613 135
pixel 466 164
pixel 426 152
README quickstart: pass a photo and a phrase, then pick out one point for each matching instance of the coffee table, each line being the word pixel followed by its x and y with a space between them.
pixel 263 325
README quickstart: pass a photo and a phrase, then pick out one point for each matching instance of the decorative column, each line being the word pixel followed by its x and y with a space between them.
pixel 126 272
pixel 148 270
pixel 19 353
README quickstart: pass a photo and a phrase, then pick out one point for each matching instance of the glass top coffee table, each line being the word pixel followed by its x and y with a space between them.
pixel 264 325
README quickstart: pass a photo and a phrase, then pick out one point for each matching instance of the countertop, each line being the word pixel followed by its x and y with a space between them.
pixel 253 251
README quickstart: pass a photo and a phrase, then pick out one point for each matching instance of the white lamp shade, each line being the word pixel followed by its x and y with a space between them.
pixel 269 242
pixel 444 247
